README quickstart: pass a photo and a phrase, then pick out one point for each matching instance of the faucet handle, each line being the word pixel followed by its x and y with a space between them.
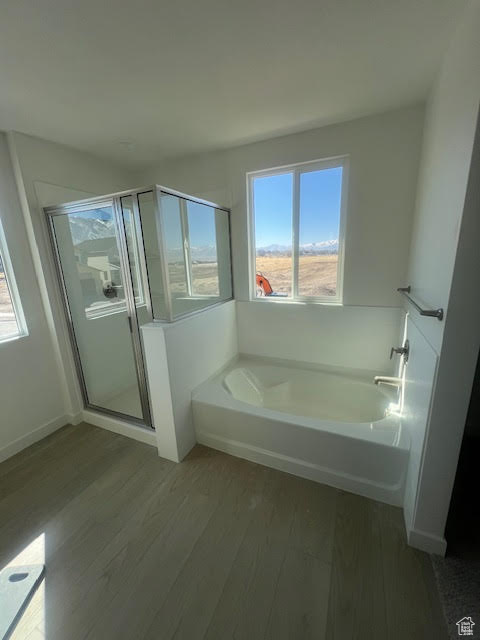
pixel 402 351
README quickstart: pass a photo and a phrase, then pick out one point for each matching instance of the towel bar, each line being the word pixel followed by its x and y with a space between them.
pixel 433 313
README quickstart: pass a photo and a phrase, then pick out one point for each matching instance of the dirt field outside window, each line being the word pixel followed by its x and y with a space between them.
pixel 8 324
pixel 317 275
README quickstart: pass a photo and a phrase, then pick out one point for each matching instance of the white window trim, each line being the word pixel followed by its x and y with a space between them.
pixel 297 169
pixel 13 291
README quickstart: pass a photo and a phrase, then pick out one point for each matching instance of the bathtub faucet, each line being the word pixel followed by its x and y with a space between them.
pixel 392 381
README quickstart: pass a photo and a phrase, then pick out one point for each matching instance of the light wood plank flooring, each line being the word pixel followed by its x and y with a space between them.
pixel 216 547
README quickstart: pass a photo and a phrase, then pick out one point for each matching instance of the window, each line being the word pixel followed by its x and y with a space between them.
pixel 297 219
pixel 12 321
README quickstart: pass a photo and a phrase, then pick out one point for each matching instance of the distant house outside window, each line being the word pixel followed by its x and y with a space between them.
pixel 297 219
pixel 12 321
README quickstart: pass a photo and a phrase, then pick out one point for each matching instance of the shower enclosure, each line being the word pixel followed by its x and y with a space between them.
pixel 129 258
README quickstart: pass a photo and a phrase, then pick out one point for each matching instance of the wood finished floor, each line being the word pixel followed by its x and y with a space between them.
pixel 216 547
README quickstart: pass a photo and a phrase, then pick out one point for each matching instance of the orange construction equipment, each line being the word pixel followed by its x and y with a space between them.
pixel 264 285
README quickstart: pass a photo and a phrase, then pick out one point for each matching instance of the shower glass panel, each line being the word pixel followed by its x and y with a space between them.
pixel 203 249
pixel 88 245
pixel 191 241
pixel 151 232
pixel 224 258
pixel 136 258
pixel 173 228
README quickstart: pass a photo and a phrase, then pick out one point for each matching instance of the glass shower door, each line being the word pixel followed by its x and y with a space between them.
pixel 103 291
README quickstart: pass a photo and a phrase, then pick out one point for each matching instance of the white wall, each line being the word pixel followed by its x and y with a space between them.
pixel 445 270
pixel 299 332
pixel 43 173
pixel 29 383
pixel 185 354
pixel 384 152
pixel 446 155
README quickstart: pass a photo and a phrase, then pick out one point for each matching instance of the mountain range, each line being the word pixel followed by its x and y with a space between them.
pixel 324 247
pixel 83 228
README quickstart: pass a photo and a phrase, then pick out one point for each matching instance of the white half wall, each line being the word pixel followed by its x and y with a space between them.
pixel 180 356
pixel 161 401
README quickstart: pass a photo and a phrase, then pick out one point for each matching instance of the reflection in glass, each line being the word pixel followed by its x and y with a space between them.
pixel 203 249
pixel 136 258
pixel 92 237
pixel 222 230
pixel 195 239
pixel 132 234
pixel 150 223
pixel 172 225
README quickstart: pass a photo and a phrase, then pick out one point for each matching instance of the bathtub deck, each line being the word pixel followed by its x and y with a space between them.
pixel 216 548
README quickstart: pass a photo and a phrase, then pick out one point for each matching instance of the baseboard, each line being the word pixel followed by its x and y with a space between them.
pixel 117 426
pixel 297 467
pixel 133 431
pixel 427 542
pixel 33 436
pixel 74 418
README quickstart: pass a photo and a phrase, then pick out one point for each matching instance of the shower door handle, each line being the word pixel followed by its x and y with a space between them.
pixel 130 324
pixel 110 290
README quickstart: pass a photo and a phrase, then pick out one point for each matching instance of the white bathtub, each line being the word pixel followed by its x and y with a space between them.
pixel 331 426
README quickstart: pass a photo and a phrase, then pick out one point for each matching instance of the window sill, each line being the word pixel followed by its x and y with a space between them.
pixel 13 338
pixel 198 297
pixel 298 301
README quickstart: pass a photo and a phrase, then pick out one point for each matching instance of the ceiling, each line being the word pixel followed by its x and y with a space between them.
pixel 140 81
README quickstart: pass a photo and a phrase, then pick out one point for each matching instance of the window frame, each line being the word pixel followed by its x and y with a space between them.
pixel 297 169
pixel 22 330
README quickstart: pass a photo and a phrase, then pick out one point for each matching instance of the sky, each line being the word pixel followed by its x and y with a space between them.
pixel 320 193
pixel 319 211
pixel 201 223
pixel 103 213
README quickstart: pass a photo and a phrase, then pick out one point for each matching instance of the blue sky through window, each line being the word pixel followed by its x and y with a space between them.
pixel 201 223
pixel 320 197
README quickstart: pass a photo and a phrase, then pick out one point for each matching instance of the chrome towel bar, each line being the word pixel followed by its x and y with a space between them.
pixel 432 313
